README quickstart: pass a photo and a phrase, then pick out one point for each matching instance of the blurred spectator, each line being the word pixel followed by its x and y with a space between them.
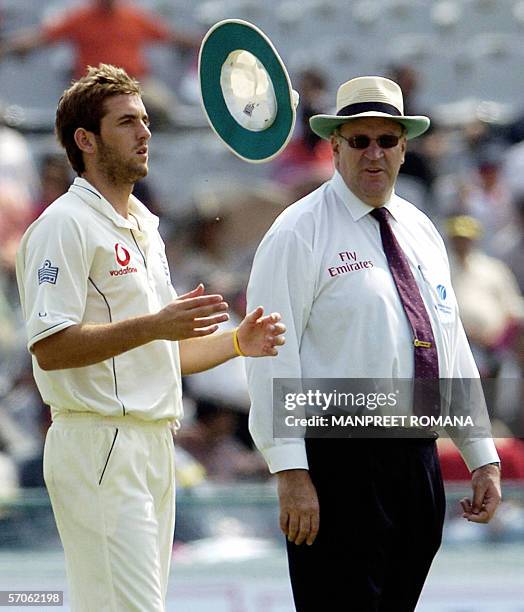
pixel 416 163
pixel 514 168
pixel 8 321
pixel 216 248
pixel 511 249
pixel 24 421
pixel 483 193
pixel 146 194
pixel 408 79
pixel 55 179
pixel 518 352
pixel 8 476
pixel 510 387
pixel 211 440
pixel 307 160
pixel 12 339
pixel 113 32
pixel 489 299
pixel 15 216
pixel 219 240
pixel 515 130
pixel 16 160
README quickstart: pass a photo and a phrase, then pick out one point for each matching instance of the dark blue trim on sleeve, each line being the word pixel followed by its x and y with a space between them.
pixel 47 329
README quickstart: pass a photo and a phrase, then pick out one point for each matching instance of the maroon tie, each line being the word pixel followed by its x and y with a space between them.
pixel 426 400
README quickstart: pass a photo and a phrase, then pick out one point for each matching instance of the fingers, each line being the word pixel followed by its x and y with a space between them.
pixel 283 522
pixel 482 515
pixel 272 318
pixel 279 328
pixel 277 340
pixel 274 335
pixel 466 505
pixel 196 298
pixel 202 321
pixel 201 311
pixel 203 331
pixel 299 507
pixel 479 492
pixel 293 526
pixel 299 529
pixel 303 529
pixel 313 532
pixel 259 335
pixel 273 341
pixel 213 320
pixel 254 315
pixel 198 290
pixel 275 329
pixel 491 505
pixel 486 495
pixel 191 315
pixel 206 311
pixel 201 301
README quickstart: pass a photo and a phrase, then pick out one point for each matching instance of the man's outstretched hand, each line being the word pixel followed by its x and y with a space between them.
pixel 191 315
pixel 259 336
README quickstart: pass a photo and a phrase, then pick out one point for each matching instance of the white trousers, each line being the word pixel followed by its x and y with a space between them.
pixel 112 487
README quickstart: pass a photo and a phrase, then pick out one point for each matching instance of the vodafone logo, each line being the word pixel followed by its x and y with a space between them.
pixel 121 272
pixel 123 256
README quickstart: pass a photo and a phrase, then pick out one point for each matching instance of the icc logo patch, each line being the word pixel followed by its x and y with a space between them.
pixel 47 273
pixel 441 290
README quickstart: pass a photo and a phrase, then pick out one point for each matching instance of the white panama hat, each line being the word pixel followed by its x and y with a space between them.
pixel 369 96
pixel 246 91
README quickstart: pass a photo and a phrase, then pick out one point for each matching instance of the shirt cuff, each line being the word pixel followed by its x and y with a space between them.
pixel 49 331
pixel 286 457
pixel 479 452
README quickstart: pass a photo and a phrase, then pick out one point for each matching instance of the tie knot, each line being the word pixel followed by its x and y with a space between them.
pixel 381 214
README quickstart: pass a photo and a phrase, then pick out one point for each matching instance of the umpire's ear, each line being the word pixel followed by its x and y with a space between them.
pixel 334 140
pixel 403 145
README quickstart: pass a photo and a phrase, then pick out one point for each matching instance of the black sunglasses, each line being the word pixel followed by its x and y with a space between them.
pixel 384 141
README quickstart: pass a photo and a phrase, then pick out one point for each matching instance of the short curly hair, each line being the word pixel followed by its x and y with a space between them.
pixel 82 106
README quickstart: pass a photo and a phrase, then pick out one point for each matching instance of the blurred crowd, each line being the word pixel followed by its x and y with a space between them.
pixel 467 174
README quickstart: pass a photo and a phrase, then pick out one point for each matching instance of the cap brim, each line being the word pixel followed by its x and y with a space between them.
pixel 324 125
pixel 222 39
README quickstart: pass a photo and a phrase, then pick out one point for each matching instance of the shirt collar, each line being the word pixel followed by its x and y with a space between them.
pixel 356 207
pixel 90 195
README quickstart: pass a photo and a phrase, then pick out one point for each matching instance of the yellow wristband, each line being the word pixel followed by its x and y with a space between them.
pixel 238 350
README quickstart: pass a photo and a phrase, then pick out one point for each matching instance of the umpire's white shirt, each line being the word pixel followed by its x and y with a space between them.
pixel 322 266
pixel 82 262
